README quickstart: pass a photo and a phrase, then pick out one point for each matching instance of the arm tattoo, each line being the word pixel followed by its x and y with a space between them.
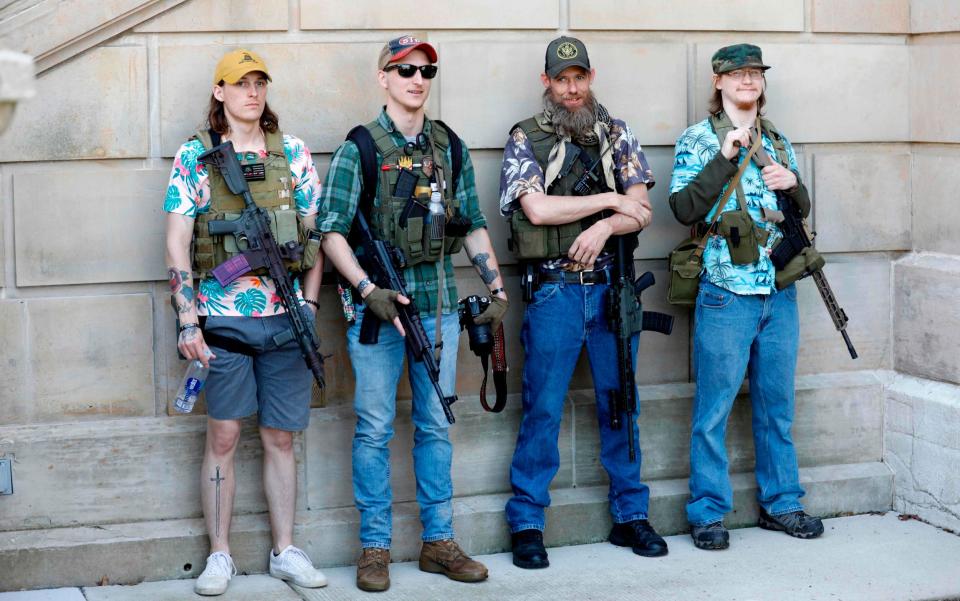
pixel 180 286
pixel 486 274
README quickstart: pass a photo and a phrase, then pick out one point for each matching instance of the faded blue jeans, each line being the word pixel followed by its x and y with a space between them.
pixel 558 322
pixel 376 371
pixel 733 331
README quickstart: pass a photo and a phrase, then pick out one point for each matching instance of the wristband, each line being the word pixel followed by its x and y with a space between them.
pixel 188 326
pixel 312 302
pixel 497 291
pixel 362 285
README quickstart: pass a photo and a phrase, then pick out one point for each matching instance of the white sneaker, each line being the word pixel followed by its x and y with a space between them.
pixel 216 576
pixel 294 565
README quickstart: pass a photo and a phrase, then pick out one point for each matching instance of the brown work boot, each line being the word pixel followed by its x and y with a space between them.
pixel 447 558
pixel 373 570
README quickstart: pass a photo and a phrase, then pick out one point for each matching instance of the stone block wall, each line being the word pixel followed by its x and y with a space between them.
pixel 86 323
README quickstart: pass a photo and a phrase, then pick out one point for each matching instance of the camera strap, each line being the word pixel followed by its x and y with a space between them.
pixel 499 354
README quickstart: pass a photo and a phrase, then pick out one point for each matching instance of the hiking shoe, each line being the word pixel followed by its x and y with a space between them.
pixel 293 564
pixel 216 575
pixel 712 537
pixel 373 570
pixel 796 523
pixel 640 536
pixel 447 558
pixel 528 550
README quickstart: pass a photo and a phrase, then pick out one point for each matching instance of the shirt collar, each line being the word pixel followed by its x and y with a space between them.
pixel 384 120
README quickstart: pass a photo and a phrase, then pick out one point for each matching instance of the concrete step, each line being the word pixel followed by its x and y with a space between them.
pixel 133 552
pixel 97 466
pixel 859 558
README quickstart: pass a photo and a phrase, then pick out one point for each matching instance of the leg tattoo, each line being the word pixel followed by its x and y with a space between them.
pixel 218 480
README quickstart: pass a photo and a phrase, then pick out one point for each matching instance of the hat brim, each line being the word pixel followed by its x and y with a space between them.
pixel 236 75
pixel 558 69
pixel 427 48
pixel 760 66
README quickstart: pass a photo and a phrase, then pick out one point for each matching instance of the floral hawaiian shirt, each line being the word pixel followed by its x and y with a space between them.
pixel 522 174
pixel 695 148
pixel 188 193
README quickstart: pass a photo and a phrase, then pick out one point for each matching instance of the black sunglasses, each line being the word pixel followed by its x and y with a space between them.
pixel 406 70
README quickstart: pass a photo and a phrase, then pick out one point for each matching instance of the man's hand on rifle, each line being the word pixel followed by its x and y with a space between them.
pixel 382 302
pixel 192 346
pixel 778 177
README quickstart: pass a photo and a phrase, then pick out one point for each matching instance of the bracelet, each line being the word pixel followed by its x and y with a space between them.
pixel 188 326
pixel 497 291
pixel 312 302
pixel 362 285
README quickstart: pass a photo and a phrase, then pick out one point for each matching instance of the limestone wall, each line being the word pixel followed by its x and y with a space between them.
pixel 86 324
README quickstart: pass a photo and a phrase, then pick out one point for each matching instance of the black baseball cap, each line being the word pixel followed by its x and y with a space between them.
pixel 565 52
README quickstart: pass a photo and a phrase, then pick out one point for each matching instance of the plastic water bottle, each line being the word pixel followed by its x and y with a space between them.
pixel 438 216
pixel 190 386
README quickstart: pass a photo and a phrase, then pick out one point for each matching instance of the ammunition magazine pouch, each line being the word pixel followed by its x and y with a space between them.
pixel 685 268
pixel 803 264
pixel 744 237
pixel 272 192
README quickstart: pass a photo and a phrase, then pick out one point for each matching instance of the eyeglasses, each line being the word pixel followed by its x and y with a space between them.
pixel 741 74
pixel 406 70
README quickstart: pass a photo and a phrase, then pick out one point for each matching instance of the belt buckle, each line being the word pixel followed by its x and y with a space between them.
pixel 582 283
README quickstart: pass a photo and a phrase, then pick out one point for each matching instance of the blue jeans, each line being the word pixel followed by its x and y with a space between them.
pixel 559 320
pixel 732 332
pixel 376 370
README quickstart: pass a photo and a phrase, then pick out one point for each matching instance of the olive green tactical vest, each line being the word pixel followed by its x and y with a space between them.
pixel 529 241
pixel 409 232
pixel 274 193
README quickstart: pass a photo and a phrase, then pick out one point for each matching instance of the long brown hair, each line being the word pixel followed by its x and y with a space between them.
pixel 217 117
pixel 715 104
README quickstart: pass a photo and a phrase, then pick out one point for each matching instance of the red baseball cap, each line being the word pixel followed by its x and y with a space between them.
pixel 398 48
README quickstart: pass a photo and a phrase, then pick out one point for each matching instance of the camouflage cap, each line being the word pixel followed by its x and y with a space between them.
pixel 737 56
pixel 565 52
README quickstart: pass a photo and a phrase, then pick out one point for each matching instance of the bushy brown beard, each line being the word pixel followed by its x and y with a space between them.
pixel 576 124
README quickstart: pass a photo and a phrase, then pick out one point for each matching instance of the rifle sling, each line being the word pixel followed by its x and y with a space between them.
pixel 499 355
pixel 731 186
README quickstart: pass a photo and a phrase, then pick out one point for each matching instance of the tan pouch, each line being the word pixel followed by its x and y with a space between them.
pixel 740 232
pixel 807 261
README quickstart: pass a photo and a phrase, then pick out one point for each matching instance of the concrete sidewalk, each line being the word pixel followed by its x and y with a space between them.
pixel 868 558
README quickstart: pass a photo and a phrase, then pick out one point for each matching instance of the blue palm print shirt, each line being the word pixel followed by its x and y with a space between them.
pixel 188 193
pixel 694 149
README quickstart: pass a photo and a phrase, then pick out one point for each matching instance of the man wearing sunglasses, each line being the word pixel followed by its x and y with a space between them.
pixel 744 322
pixel 422 174
pixel 572 179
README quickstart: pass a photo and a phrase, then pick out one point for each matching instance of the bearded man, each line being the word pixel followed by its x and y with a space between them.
pixel 572 178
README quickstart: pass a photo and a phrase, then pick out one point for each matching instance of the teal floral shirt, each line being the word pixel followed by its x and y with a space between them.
pixel 188 193
pixel 694 149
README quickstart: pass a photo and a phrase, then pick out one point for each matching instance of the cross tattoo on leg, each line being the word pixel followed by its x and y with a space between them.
pixel 218 480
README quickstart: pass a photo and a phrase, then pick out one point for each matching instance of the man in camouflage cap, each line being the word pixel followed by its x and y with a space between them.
pixel 743 321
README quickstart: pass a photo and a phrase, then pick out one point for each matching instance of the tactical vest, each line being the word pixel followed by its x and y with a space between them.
pixel 529 241
pixel 273 192
pixel 402 221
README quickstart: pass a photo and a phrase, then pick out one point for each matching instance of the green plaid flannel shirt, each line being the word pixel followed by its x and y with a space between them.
pixel 340 195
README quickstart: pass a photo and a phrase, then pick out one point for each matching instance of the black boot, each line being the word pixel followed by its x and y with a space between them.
pixel 640 536
pixel 528 550
pixel 796 523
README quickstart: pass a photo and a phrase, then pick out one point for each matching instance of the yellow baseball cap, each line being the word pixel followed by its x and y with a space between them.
pixel 238 63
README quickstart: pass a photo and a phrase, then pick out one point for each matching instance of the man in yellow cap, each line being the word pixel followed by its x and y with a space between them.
pixel 234 328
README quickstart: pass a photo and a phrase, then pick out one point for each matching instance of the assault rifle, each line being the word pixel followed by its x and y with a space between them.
pixel 260 250
pixel 624 303
pixel 795 240
pixel 383 262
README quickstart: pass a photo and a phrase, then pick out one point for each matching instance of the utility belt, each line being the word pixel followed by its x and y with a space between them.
pixel 532 278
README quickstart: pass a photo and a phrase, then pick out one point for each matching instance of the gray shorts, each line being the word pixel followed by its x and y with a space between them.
pixel 274 383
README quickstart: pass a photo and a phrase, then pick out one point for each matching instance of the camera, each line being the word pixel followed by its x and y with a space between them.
pixel 481 335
